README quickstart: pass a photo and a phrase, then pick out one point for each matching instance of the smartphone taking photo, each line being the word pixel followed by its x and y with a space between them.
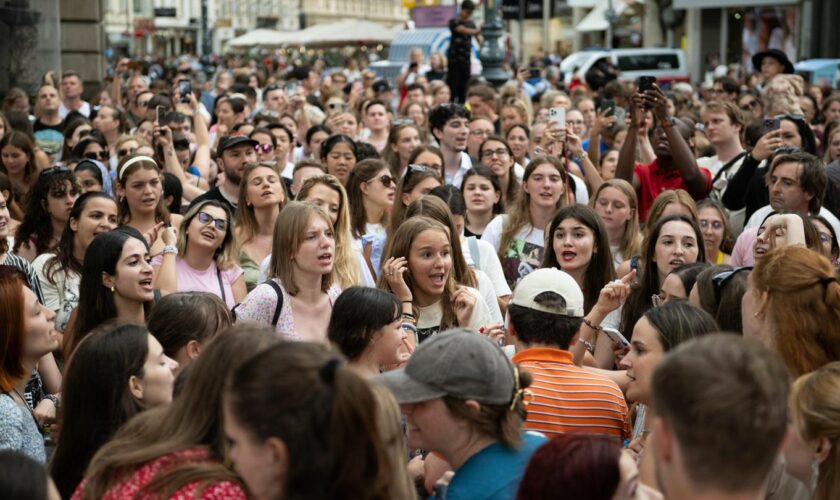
pixel 557 116
pixel 184 89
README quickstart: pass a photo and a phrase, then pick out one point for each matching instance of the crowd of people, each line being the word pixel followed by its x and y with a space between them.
pixel 312 284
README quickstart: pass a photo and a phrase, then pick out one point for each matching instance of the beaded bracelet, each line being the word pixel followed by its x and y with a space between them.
pixel 590 325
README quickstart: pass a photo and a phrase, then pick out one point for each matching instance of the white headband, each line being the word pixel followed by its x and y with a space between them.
pixel 136 159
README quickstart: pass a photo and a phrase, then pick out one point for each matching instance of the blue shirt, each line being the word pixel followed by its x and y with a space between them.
pixel 494 472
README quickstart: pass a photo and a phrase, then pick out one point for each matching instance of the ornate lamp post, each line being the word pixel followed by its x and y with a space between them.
pixel 492 52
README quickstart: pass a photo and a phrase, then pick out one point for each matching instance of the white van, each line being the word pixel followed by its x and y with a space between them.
pixel 667 65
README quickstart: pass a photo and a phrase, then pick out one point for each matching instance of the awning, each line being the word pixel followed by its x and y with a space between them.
pixel 428 39
pixel 262 38
pixel 595 20
pixel 343 33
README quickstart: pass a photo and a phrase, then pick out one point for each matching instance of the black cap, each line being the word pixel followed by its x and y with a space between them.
pixel 229 141
pixel 775 54
pixel 381 86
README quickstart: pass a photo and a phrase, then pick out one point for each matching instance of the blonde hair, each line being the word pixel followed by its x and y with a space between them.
pixel 815 412
pixel 631 240
pixel 519 214
pixel 520 107
pixel 346 266
pixel 289 231
pixel 224 256
pixel 400 246
pixel 665 198
pixel 246 220
pixel 389 428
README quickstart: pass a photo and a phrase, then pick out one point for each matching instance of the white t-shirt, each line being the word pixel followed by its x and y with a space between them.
pixel 524 253
pixel 488 261
pixel 429 317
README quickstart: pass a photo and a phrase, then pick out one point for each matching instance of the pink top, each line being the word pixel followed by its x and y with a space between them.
pixel 133 483
pixel 193 280
pixel 742 252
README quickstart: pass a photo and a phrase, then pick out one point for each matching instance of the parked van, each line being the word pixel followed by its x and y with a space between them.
pixel 667 65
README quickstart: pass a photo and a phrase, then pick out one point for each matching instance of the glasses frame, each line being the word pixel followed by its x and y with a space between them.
pixel 219 224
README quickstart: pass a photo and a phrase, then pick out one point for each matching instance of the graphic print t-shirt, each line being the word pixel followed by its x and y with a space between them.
pixel 524 253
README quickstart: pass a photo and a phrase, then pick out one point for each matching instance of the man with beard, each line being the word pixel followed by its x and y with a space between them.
pixel 674 166
pixel 449 124
pixel 233 153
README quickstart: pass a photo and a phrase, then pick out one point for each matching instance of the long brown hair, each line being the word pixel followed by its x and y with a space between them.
pixel 400 246
pixel 803 306
pixel 519 212
pixel 324 413
pixel 631 240
pixel 146 163
pixel 364 171
pixel 413 175
pixel 246 221
pixel 193 419
pixel 13 331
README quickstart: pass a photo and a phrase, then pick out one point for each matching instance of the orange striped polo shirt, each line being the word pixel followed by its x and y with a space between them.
pixel 568 398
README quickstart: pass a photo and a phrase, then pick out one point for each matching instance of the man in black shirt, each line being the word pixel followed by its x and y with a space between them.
pixel 48 127
pixel 233 153
pixel 460 48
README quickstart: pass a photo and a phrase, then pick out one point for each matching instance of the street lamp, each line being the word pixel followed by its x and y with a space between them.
pixel 492 52
pixel 611 17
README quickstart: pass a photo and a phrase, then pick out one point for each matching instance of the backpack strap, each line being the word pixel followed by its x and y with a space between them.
pixel 279 307
pixel 472 242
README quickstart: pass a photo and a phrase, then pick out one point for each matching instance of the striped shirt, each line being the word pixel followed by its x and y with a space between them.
pixel 568 398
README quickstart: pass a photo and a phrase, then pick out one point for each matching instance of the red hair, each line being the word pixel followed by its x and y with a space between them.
pixel 12 328
pixel 581 466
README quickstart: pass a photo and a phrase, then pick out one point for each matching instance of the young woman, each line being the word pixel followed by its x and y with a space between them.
pixel 59 272
pixel 184 323
pixel 338 153
pixel 719 289
pixel 125 145
pixel 828 239
pixel 370 195
pixel 74 130
pixel 204 259
pixel 10 195
pixel 660 330
pixel 26 333
pixel 518 236
pixel 764 243
pixel 141 203
pixel 47 210
pixel 326 192
pixel 417 181
pixel 116 283
pixel 283 403
pixel 261 196
pixel 512 112
pixel 811 454
pixel 463 418
pixel 8 258
pixel 579 246
pixel 429 156
pixel 792 303
pixel 495 154
pixel 518 136
pixel 179 450
pixel 418 270
pixel 116 372
pixel 93 176
pixel 615 202
pixel 418 112
pixel 673 242
pixel 671 202
pixel 92 146
pixel 403 138
pixel 17 160
pixel 608 163
pixel 367 327
pixel 299 301
pixel 483 197
pixel 112 123
pixel 679 283
pixel 717 233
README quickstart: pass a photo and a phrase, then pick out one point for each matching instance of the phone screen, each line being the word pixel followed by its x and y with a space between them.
pixel 185 89
pixel 291 87
pixel 616 336
pixel 161 112
pixel 608 104
pixel 771 124
pixel 646 83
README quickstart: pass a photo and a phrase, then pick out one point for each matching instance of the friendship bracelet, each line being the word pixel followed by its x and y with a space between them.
pixel 590 325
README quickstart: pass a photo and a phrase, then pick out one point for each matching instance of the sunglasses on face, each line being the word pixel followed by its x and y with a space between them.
pixel 749 105
pixel 205 218
pixel 101 156
pixel 125 152
pixel 263 148
pixel 386 180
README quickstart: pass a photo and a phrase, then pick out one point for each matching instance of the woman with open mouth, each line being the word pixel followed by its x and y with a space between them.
pixel 141 200
pixel 298 297
pixel 203 259
pixel 419 271
pixel 483 198
pixel 48 206
pixel 261 196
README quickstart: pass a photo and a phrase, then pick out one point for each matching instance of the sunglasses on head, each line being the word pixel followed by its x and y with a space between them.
pixel 101 156
pixel 263 148
pixel 720 280
pixel 205 218
pixel 54 170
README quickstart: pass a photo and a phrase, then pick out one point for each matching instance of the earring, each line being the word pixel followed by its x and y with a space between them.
pixel 112 289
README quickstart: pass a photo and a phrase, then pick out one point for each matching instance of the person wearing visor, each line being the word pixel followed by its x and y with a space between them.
pixel 464 400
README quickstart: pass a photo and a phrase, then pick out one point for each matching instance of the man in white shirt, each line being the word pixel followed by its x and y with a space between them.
pixel 449 124
pixel 72 89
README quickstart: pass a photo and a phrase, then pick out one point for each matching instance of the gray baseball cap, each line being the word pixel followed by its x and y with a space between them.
pixel 458 363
